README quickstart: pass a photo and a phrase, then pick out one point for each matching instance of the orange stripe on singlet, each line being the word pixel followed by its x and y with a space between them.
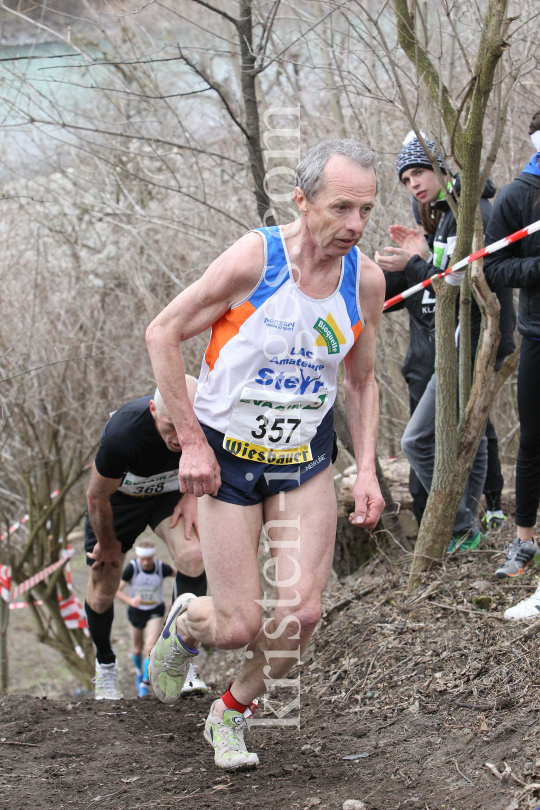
pixel 357 328
pixel 225 329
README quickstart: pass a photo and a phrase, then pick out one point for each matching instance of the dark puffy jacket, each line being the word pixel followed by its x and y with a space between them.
pixel 419 362
pixel 518 265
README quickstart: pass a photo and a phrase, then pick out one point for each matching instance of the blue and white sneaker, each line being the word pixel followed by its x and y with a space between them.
pixel 170 658
pixel 142 689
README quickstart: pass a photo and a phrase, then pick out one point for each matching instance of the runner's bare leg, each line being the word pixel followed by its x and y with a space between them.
pixel 306 567
pixel 153 632
pixel 231 617
pixel 186 554
pixel 103 584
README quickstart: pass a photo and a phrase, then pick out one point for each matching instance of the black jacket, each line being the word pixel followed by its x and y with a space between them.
pixel 419 362
pixel 518 265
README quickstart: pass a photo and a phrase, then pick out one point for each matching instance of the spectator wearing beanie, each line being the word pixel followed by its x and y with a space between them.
pixel 414 258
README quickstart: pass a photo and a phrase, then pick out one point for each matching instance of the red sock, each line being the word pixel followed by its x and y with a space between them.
pixel 231 703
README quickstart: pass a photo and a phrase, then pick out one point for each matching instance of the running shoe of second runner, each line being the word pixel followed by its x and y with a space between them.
pixel 226 736
pixel 466 541
pixel 107 683
pixel 518 556
pixel 194 685
pixel 528 608
pixel 170 657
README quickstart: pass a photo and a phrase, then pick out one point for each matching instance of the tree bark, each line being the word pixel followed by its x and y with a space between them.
pixel 4 667
pixel 455 451
pixel 249 95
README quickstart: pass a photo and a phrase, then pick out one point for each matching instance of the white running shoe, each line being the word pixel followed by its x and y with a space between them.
pixel 226 736
pixel 107 682
pixel 528 608
pixel 193 685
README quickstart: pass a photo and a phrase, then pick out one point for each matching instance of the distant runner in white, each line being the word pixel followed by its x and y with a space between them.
pixel 286 305
pixel 134 484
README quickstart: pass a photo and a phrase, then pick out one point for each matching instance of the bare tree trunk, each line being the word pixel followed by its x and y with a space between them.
pixel 455 450
pixel 335 102
pixel 4 669
pixel 455 447
pixel 249 95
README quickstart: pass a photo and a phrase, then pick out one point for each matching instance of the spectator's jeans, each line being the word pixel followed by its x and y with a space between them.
pixel 418 444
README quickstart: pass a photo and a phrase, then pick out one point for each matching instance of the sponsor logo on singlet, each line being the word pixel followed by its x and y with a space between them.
pixel 297 385
pixel 274 323
pixel 330 335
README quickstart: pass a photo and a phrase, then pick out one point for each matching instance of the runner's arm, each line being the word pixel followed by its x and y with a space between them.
pixel 134 601
pixel 362 399
pixel 100 516
pixel 228 280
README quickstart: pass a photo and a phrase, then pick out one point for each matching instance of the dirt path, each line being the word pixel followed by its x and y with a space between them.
pixel 136 755
pixel 419 692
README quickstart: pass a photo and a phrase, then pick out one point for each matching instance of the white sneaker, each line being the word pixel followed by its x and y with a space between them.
pixel 528 608
pixel 226 736
pixel 193 684
pixel 107 682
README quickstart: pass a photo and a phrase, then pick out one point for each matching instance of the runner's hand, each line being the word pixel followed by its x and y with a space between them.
pixel 188 509
pixel 106 556
pixel 368 501
pixel 135 601
pixel 198 472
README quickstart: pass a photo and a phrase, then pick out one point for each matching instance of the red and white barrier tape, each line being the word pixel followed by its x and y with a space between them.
pixel 14 527
pixel 514 237
pixel 8 593
pixel 24 519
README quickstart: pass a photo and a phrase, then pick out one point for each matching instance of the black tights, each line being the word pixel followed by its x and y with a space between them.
pixel 528 459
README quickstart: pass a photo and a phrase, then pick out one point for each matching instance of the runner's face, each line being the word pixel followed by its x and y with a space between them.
pixel 339 212
pixel 165 428
pixel 147 563
pixel 422 183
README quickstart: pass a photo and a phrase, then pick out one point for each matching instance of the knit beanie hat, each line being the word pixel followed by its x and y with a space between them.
pixel 412 156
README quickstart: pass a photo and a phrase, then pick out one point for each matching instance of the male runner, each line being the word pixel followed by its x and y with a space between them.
pixel 146 610
pixel 134 484
pixel 286 305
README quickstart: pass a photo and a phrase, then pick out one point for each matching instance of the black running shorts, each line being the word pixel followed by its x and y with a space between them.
pixel 140 618
pixel 131 516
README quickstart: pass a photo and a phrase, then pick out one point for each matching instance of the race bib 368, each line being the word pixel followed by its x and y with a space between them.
pixel 143 486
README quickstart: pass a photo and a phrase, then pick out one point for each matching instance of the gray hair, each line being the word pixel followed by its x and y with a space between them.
pixel 310 170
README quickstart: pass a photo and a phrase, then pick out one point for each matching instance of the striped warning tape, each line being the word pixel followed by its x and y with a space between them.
pixel 513 237
pixel 11 594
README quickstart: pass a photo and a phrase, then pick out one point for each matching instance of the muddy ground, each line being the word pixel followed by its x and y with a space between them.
pixel 422 690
